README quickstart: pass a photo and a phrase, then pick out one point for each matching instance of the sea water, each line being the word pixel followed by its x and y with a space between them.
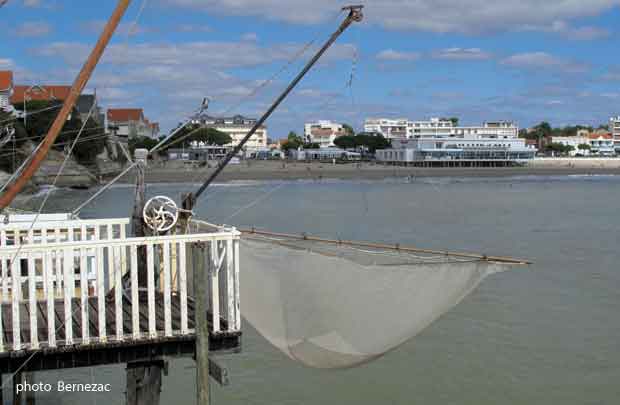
pixel 548 334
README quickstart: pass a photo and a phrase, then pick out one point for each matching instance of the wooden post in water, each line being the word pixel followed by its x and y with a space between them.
pixel 144 378
pixel 202 328
pixel 199 270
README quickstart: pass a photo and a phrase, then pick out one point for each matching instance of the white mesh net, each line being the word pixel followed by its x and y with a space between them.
pixel 337 306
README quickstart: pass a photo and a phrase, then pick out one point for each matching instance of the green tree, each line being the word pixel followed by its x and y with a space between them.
pixel 293 141
pixel 211 136
pixel 584 147
pixel 348 129
pixel 141 142
pixel 346 142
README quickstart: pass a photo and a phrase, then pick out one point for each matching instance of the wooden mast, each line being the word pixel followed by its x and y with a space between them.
pixel 76 89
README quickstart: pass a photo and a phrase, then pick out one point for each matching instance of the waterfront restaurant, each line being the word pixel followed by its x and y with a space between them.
pixel 457 152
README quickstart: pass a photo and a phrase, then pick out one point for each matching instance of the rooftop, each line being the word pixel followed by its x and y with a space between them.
pixel 125 114
pixel 40 93
pixel 6 80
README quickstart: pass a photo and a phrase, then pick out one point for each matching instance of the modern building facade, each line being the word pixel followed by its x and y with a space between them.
pixel 439 128
pixel 614 127
pixel 459 150
pixel 323 133
pixel 440 140
pixel 237 127
pixel 388 128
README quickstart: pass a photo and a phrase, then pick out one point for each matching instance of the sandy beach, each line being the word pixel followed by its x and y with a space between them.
pixel 277 170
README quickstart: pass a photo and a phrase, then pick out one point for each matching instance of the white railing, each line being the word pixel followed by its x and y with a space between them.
pixel 80 288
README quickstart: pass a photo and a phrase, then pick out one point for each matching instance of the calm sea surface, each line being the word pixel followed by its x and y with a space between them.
pixel 545 335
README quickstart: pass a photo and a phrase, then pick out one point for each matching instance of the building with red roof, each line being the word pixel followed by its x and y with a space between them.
pixel 6 88
pixel 130 123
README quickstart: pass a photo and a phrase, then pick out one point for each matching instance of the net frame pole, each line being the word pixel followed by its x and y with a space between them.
pixel 355 15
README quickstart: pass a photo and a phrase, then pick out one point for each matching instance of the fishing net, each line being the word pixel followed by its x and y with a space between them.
pixel 336 306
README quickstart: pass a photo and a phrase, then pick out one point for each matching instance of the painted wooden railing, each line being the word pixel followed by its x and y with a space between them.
pixel 67 280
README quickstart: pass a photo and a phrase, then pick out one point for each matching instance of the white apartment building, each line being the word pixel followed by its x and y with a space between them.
pixel 389 128
pixel 237 127
pixel 599 144
pixel 323 132
pixel 614 128
pixel 440 128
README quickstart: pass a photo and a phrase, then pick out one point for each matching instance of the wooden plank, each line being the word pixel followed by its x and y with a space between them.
pixel 32 302
pixel 150 259
pixel 102 333
pixel 167 303
pixel 5 271
pixel 58 264
pixel 51 325
pixel 44 268
pixel 237 302
pixel 84 291
pixel 69 292
pixel 230 284
pixel 118 292
pixel 135 304
pixel 183 285
pixel 16 276
pixel 214 281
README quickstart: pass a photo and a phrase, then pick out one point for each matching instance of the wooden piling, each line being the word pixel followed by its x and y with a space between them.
pixel 202 329
pixel 143 379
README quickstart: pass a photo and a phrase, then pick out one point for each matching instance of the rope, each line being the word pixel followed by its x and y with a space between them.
pixel 103 189
pixel 256 201
pixel 283 69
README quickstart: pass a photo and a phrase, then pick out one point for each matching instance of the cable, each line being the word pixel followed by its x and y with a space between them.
pixel 256 201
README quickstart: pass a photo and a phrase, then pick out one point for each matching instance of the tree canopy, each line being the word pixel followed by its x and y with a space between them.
pixel 367 141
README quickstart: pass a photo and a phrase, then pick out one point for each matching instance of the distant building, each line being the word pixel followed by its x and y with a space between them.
pixel 388 128
pixel 202 154
pixel 60 93
pixel 439 128
pixel 237 127
pixel 323 133
pixel 599 144
pixel 614 127
pixel 40 93
pixel 85 103
pixel 6 88
pixel 324 154
pixel 457 151
pixel 129 123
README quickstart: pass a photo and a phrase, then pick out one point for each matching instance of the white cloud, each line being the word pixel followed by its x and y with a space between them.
pixel 461 54
pixel 215 54
pixel 193 28
pixel 250 36
pixel 465 16
pixel 397 56
pixel 33 29
pixel 6 63
pixel 32 3
pixel 125 29
pixel 584 33
pixel 543 60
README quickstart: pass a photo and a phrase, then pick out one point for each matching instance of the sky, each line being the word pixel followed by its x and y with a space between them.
pixel 479 60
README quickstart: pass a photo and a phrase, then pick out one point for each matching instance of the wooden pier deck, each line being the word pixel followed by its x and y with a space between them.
pixel 111 350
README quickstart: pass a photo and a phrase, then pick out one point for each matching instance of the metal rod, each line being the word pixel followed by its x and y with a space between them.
pixel 498 259
pixel 61 118
pixel 355 15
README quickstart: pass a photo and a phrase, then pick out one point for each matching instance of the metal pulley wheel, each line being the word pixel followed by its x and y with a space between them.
pixel 160 213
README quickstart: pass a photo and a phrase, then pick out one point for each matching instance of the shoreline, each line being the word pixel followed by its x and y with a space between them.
pixel 259 171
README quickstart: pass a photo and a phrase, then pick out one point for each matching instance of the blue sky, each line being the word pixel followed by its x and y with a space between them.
pixel 525 61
